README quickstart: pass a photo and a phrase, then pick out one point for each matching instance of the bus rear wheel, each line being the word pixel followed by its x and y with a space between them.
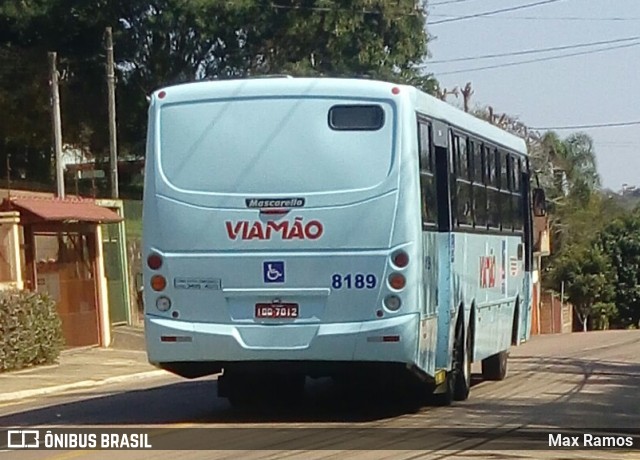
pixel 462 381
pixel 495 367
pixel 458 381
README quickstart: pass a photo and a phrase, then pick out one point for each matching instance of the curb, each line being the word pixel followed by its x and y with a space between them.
pixel 78 385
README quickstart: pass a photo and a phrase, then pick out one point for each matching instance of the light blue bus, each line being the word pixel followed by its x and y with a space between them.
pixel 299 227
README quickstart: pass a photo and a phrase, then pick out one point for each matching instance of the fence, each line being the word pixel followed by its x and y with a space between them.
pixel 555 316
pixel 133 216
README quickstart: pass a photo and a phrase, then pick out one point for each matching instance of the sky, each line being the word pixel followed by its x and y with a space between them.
pixel 596 88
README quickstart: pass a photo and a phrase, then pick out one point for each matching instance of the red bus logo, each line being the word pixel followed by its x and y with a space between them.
pixel 487 271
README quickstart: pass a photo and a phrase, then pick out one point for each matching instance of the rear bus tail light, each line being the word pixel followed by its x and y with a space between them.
pixel 154 261
pixel 397 281
pixel 400 259
pixel 158 282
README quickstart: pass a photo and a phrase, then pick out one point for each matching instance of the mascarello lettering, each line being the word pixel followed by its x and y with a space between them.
pixel 275 203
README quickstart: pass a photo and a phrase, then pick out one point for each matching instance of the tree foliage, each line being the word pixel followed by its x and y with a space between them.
pixel 163 42
pixel 621 241
pixel 588 280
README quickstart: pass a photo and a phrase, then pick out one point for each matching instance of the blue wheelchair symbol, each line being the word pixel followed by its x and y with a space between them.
pixel 273 272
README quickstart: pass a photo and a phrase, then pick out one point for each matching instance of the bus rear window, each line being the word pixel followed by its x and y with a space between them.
pixel 356 117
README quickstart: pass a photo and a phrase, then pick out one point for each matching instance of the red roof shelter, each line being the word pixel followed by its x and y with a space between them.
pixel 63 257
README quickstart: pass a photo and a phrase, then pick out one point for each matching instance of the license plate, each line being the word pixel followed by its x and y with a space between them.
pixel 279 310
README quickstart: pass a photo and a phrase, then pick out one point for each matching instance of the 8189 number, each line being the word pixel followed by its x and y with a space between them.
pixel 354 281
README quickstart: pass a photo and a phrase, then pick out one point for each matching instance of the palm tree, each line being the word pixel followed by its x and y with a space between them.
pixel 568 169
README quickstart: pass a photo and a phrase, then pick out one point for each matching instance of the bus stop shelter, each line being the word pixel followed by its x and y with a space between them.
pixel 63 256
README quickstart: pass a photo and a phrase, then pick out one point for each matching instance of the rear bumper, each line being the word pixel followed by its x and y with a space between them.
pixel 222 343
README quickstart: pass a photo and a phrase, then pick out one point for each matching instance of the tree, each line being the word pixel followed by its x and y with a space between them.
pixel 621 241
pixel 588 281
pixel 574 163
pixel 602 313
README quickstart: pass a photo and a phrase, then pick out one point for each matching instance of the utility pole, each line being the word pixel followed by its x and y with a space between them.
pixel 8 176
pixel 113 143
pixel 57 123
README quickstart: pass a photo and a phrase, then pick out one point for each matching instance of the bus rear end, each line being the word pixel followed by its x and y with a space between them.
pixel 272 233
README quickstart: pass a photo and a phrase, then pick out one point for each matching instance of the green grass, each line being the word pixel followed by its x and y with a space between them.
pixel 133 219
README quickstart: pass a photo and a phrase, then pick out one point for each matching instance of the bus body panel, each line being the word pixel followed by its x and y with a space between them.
pixel 527 307
pixel 212 342
pixel 494 299
pixel 429 324
pixel 215 248
pixel 199 229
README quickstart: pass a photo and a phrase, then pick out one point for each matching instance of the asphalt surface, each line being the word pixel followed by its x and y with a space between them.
pixel 586 382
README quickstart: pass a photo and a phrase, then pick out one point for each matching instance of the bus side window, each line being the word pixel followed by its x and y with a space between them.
pixel 479 187
pixel 516 198
pixel 453 174
pixel 463 184
pixel 428 199
pixel 517 194
pixel 493 190
pixel 505 191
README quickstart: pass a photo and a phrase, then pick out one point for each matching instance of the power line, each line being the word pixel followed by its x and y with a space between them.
pixel 601 125
pixel 537 50
pixel 488 13
pixel 545 18
pixel 447 2
pixel 548 58
pixel 617 144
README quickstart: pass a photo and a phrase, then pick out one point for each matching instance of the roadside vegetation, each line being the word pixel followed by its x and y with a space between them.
pixel 30 330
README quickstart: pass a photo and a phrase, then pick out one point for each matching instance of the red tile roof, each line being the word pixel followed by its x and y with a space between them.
pixel 61 210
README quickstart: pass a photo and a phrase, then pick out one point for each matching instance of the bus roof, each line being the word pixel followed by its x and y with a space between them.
pixel 351 87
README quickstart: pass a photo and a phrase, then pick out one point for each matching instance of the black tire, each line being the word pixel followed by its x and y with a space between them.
pixel 515 329
pixel 458 381
pixel 495 367
pixel 462 365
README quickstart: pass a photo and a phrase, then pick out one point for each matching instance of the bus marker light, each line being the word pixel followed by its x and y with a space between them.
pixel 383 338
pixel 158 282
pixel 395 90
pixel 162 94
pixel 397 281
pixel 154 261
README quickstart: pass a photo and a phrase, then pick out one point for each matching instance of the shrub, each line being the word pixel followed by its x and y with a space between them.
pixel 30 330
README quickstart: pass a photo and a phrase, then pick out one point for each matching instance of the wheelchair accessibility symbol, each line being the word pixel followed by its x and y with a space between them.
pixel 273 272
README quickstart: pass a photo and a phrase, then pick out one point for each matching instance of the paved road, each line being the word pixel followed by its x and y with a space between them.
pixel 588 382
